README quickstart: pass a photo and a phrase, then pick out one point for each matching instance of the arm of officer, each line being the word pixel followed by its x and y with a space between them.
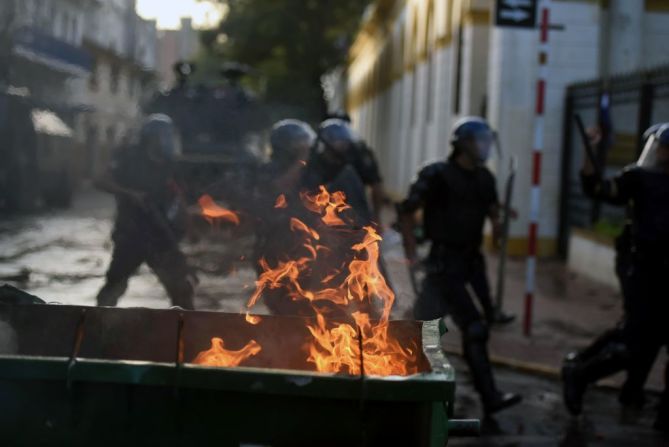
pixel 407 212
pixel 615 191
pixel 108 182
pixel 368 169
pixel 494 210
pixel 495 216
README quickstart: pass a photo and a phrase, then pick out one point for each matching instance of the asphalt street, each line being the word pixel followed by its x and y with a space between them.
pixel 62 256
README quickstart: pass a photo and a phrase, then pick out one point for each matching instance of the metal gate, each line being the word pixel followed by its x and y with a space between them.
pixel 636 101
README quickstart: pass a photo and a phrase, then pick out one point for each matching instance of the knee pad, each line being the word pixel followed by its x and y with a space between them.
pixel 476 331
pixel 617 351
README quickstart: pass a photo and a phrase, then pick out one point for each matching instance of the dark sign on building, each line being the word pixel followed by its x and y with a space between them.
pixel 516 13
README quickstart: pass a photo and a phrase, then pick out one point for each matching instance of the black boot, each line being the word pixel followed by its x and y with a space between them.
pixel 476 355
pixel 662 421
pixel 580 371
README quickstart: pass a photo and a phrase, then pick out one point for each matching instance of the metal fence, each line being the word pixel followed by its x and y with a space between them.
pixel 636 102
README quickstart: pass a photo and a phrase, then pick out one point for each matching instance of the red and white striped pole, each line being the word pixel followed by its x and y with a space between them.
pixel 535 196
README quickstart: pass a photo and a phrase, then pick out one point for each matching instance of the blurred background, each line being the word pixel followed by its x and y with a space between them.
pixel 78 76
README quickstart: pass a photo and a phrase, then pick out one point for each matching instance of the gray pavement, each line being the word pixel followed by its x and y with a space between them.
pixel 540 420
pixel 67 253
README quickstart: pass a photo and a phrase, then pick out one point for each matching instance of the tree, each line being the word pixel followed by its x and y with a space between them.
pixel 291 44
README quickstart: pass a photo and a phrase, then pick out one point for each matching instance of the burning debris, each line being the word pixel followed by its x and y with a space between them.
pixel 215 213
pixel 348 335
pixel 281 202
pixel 221 357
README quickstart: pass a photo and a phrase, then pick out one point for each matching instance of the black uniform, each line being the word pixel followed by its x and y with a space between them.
pixel 645 330
pixel 366 165
pixel 456 203
pixel 147 234
pixel 336 177
pixel 276 241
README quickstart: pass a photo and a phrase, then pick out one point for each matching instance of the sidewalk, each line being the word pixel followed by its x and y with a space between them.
pixel 569 312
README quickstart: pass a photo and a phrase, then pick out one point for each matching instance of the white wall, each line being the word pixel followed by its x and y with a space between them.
pixel 655 36
pixel 502 65
pixel 512 90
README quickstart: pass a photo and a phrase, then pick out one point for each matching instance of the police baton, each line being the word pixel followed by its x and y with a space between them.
pixel 589 151
pixel 501 317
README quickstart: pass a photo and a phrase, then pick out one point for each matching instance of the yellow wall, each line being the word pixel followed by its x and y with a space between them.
pixel 380 55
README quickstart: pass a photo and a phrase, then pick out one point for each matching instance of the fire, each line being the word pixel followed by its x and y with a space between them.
pixel 281 202
pixel 357 344
pixel 298 225
pixel 336 348
pixel 252 319
pixel 216 213
pixel 218 356
pixel 328 205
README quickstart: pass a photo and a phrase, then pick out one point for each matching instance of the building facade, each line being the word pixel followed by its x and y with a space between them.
pixel 44 47
pixel 417 66
pixel 124 51
pixel 174 46
pixel 92 62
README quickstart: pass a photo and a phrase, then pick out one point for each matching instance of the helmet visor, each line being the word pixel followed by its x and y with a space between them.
pixel 648 157
pixel 483 146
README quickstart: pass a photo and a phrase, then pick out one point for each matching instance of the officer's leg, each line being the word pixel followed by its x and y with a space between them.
pixel 171 267
pixel 475 347
pixel 606 356
pixel 644 330
pixel 662 421
pixel 479 283
pixel 383 268
pixel 430 304
pixel 127 256
pixel 643 350
pixel 612 336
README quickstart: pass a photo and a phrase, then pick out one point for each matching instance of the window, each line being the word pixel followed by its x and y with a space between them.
pixel 73 30
pixel 458 72
pixel 64 26
pixel 93 80
pixel 114 76
pixel 131 85
pixel 111 136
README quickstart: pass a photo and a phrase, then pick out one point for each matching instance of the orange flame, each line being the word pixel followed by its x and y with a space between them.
pixel 336 349
pixel 216 213
pixel 281 202
pixel 252 319
pixel 327 205
pixel 298 225
pixel 217 355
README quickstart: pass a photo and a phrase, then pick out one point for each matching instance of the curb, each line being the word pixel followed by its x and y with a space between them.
pixel 540 370
pixel 536 369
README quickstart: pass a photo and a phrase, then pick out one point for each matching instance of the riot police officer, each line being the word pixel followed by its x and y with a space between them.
pixel 366 165
pixel 150 219
pixel 277 201
pixel 331 164
pixel 645 189
pixel 457 196
pixel 607 354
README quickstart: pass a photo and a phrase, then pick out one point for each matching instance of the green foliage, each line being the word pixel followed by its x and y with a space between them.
pixel 607 228
pixel 290 44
